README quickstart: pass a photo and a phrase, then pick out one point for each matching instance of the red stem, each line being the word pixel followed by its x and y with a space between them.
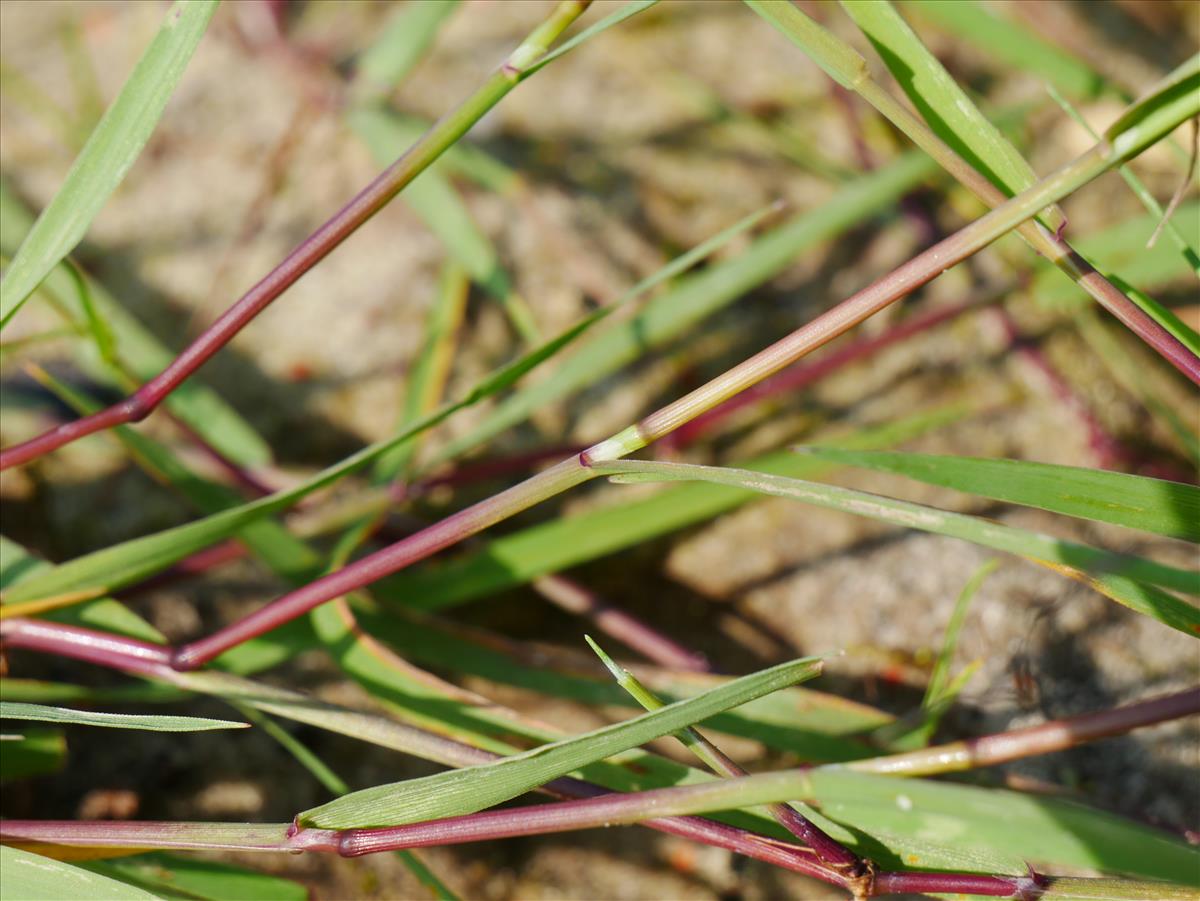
pixel 445 132
pixel 143 659
pixel 78 643
pixel 249 483
pixel 310 252
pixel 151 660
pixel 373 567
pixel 1044 738
pixel 954 884
pixel 651 644
pixel 1058 735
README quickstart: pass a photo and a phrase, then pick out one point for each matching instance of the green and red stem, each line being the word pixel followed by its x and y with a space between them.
pixel 313 249
pixel 573 471
pixel 597 808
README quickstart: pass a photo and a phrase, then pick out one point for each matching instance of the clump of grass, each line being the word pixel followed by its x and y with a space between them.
pixel 850 822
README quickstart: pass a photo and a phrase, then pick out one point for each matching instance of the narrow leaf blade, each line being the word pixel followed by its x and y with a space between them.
pixel 943 105
pixel 402 44
pixel 143 721
pixel 108 154
pixel 1136 502
pixel 30 876
pixel 190 877
pixel 1005 40
pixel 1114 575
pixel 474 788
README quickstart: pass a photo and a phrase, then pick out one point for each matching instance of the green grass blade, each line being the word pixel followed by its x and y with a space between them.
pixel 125 563
pixel 285 554
pixel 901 815
pixel 635 771
pixel 107 614
pixel 102 335
pixel 108 154
pixel 475 788
pixel 188 877
pixel 137 349
pixel 698 296
pixel 816 726
pixel 629 9
pixel 961 139
pixel 943 105
pixel 1116 575
pixel 410 696
pixel 37 878
pixel 651 771
pixel 122 564
pixel 1010 43
pixel 1174 99
pixel 334 783
pixel 1136 502
pixel 841 62
pixel 404 41
pixel 329 780
pixel 17 565
pixel 425 385
pixel 1153 207
pixel 1162 315
pixel 144 721
pixel 427 377
pixel 551 547
pixel 366 653
pixel 916 729
pixel 437 203
pixel 37 691
pixel 939 679
pixel 438 889
pixel 708 753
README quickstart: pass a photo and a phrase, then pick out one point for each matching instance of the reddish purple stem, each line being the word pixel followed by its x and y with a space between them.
pixel 384 562
pixel 653 645
pixel 307 254
pixel 143 659
pixel 311 251
pixel 357 842
pixel 246 480
pixel 954 884
pixel 102 648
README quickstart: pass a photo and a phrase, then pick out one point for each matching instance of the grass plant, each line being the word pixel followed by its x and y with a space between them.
pixel 859 807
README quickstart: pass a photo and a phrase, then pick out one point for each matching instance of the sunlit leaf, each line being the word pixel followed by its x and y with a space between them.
pixel 1136 502
pixel 474 788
